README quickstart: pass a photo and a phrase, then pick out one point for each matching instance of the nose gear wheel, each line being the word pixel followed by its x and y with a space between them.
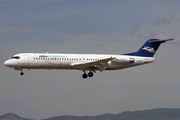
pixel 21 73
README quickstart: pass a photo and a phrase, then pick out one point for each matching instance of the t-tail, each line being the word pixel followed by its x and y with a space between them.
pixel 149 48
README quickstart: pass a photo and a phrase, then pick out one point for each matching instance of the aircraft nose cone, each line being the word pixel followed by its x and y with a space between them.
pixel 7 63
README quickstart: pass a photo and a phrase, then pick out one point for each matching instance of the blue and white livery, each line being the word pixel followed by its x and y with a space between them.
pixel 85 62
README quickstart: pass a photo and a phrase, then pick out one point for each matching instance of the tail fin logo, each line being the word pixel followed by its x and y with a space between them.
pixel 149 49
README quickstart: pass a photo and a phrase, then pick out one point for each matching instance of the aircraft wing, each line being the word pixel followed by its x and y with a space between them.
pixel 100 64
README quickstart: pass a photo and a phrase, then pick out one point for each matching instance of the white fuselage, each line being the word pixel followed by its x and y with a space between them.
pixel 66 61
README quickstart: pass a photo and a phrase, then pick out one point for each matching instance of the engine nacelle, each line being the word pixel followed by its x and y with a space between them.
pixel 123 60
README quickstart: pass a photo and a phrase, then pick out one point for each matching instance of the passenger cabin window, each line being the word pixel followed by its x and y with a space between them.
pixel 15 57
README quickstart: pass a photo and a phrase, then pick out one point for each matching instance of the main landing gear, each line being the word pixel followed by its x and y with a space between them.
pixel 90 74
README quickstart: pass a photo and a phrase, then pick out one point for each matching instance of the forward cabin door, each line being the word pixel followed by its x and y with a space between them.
pixel 26 60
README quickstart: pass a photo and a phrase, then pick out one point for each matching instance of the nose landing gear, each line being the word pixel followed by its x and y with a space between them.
pixel 20 69
pixel 21 73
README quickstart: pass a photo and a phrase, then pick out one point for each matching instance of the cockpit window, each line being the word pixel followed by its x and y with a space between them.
pixel 15 57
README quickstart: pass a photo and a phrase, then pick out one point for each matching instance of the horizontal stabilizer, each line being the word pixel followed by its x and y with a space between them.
pixel 160 40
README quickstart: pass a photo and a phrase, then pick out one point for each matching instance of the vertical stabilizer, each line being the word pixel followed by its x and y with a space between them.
pixel 150 47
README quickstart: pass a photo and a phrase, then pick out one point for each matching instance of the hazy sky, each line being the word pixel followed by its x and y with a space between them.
pixel 89 26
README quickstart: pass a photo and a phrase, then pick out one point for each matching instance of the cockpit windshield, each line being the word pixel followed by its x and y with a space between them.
pixel 15 57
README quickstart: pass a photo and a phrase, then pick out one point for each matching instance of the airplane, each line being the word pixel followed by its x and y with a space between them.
pixel 85 62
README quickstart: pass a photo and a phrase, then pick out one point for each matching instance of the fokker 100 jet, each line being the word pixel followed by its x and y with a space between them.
pixel 85 62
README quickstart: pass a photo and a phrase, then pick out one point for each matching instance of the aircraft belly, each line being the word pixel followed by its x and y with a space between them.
pixel 49 67
pixel 122 66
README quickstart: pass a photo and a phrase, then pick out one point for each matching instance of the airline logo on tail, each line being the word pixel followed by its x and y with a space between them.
pixel 149 49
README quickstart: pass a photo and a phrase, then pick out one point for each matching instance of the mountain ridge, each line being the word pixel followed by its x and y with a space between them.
pixel 150 114
pixel 12 116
